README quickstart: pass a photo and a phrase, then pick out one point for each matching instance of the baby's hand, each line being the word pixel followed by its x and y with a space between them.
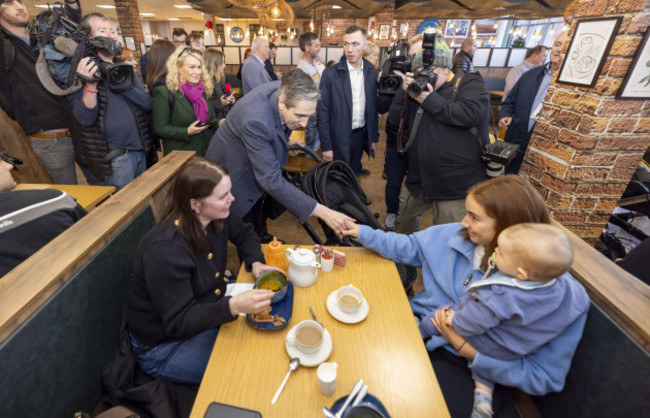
pixel 352 231
pixel 449 316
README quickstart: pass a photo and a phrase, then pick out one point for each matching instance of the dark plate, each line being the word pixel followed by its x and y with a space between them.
pixel 284 308
pixel 368 398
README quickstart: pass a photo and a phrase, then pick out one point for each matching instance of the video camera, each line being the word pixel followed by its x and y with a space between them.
pixel 65 43
pixel 398 60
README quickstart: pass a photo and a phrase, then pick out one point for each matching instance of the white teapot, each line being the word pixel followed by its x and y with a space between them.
pixel 303 267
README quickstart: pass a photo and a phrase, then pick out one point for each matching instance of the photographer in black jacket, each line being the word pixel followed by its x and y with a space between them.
pixel 444 143
pixel 38 112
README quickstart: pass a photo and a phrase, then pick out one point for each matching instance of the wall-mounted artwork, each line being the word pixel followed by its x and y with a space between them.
pixel 384 31
pixel 457 28
pixel 636 85
pixel 589 46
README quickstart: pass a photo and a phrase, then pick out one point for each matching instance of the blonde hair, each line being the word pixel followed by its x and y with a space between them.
pixel 370 50
pixel 213 60
pixel 543 250
pixel 175 61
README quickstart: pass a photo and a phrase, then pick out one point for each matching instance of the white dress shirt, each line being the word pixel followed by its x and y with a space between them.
pixel 358 96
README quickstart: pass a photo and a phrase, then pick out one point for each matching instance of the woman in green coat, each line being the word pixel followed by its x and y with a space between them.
pixel 183 115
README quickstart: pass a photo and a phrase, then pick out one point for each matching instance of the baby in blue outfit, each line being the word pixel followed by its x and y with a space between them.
pixel 512 312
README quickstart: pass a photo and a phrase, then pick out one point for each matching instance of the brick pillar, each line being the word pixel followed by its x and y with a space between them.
pixel 586 144
pixel 128 17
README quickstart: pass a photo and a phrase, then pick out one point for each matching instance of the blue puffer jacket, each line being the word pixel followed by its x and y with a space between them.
pixel 446 261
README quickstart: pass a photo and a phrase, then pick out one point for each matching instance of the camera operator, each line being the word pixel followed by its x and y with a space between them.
pixel 446 125
pixel 25 100
pixel 110 131
pixel 396 164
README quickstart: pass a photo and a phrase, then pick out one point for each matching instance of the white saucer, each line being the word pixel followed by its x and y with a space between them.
pixel 311 359
pixel 348 318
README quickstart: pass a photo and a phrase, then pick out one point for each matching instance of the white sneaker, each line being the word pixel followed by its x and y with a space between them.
pixel 389 223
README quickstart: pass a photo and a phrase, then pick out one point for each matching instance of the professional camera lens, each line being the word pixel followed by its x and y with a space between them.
pixel 390 84
pixel 417 86
pixel 119 76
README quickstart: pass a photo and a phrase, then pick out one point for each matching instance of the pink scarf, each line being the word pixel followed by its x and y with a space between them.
pixel 194 93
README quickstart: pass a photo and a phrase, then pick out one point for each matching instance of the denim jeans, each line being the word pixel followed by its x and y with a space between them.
pixel 396 166
pixel 177 361
pixel 57 156
pixel 126 167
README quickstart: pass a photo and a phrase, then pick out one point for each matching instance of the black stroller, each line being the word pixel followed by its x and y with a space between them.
pixel 334 185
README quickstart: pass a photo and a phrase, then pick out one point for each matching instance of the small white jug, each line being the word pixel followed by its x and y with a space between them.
pixel 303 268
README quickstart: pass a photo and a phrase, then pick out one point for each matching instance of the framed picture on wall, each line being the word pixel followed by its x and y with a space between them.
pixel 589 46
pixel 636 85
pixel 384 32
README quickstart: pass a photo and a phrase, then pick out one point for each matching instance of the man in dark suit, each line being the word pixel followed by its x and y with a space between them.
pixel 253 144
pixel 347 113
pixel 522 106
pixel 268 64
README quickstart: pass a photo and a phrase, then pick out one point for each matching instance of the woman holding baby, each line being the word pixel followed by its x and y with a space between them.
pixel 454 259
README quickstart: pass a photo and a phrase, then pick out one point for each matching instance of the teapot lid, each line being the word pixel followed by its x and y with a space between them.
pixel 303 256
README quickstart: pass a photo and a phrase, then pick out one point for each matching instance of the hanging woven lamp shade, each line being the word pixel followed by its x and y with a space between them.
pixel 278 16
pixel 252 4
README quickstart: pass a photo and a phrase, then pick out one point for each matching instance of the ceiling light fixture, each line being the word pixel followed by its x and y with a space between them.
pixel 173 18
pixel 147 14
pixel 336 7
pixel 105 6
pixel 183 6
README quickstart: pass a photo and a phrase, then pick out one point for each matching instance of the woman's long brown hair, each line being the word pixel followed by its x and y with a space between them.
pixel 197 179
pixel 509 200
pixel 160 51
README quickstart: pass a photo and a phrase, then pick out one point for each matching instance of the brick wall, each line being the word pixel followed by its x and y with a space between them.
pixel 586 144
pixel 128 17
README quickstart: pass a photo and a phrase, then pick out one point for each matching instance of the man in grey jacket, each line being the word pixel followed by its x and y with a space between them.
pixel 253 72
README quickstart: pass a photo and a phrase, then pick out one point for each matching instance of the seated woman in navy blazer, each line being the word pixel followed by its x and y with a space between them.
pixel 177 296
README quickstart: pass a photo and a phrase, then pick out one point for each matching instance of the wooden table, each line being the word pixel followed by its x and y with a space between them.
pixel 88 197
pixel 385 350
pixel 497 93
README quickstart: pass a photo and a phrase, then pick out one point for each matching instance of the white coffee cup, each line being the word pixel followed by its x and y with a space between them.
pixel 326 374
pixel 307 337
pixel 349 298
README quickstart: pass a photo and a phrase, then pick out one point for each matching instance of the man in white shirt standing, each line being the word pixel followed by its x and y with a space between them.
pixel 535 57
pixel 310 47
pixel 253 72
pixel 347 112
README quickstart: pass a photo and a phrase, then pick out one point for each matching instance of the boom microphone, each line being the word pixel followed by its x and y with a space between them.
pixel 65 45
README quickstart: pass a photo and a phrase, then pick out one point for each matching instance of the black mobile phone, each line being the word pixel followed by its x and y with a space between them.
pixel 208 123
pixel 221 410
pixel 228 94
